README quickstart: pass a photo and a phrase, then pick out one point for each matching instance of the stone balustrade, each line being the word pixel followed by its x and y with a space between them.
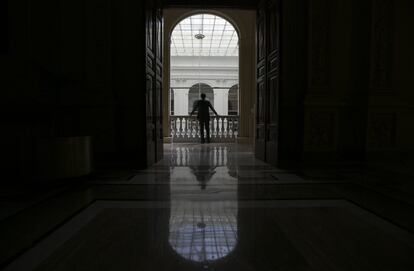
pixel 186 128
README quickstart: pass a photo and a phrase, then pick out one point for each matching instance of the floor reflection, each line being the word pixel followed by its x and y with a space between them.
pixel 188 155
pixel 203 176
pixel 202 217
pixel 202 229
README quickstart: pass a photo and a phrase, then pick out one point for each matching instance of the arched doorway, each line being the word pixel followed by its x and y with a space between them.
pixel 204 58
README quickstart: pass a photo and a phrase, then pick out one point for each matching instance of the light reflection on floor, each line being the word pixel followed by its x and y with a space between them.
pixel 202 230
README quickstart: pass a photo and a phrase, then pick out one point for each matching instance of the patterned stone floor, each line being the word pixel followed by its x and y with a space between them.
pixel 214 207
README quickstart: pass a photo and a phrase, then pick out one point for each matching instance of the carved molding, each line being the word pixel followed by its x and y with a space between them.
pixel 320 130
pixel 150 30
pixel 261 49
pixel 158 93
pixel 159 34
pixel 273 27
pixel 382 39
pixel 261 102
pixel 149 97
pixel 273 98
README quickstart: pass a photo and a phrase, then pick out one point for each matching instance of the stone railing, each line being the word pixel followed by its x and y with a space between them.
pixel 186 128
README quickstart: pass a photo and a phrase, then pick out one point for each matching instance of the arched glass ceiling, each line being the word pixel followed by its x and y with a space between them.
pixel 220 37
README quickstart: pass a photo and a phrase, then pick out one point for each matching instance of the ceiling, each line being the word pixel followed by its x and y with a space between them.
pixel 220 37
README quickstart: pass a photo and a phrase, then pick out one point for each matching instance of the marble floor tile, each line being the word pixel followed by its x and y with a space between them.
pixel 216 207
pixel 223 235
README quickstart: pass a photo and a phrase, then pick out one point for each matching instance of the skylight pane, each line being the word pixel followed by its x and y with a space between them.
pixel 220 37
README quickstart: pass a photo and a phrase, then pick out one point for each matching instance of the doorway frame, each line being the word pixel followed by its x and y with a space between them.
pixel 246 30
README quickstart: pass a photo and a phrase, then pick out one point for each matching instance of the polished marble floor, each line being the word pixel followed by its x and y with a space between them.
pixel 216 207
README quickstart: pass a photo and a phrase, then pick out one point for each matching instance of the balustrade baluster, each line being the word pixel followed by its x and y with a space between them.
pixel 184 127
pixel 223 128
pixel 219 127
pixel 179 127
pixel 194 129
pixel 231 125
pixel 214 130
pixel 236 128
pixel 188 130
pixel 172 130
pixel 225 124
pixel 175 127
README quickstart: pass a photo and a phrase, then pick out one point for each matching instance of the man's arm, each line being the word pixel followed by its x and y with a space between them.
pixel 212 108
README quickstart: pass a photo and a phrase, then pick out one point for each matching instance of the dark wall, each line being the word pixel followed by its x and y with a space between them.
pixel 74 68
pixel 357 80
pixel 4 28
pixel 293 78
pixel 345 82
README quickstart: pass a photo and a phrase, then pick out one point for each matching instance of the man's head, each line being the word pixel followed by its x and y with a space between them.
pixel 203 96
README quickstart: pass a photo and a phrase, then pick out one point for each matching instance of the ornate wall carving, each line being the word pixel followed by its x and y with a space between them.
pixel 382 131
pixel 267 101
pixel 150 30
pixel 382 37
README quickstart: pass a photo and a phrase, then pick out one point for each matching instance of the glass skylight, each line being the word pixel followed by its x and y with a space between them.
pixel 220 37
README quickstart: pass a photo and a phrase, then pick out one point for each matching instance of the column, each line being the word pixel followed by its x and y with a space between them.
pixel 181 102
pixel 221 104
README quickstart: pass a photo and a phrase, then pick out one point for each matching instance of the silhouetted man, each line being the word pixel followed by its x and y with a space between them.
pixel 203 116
